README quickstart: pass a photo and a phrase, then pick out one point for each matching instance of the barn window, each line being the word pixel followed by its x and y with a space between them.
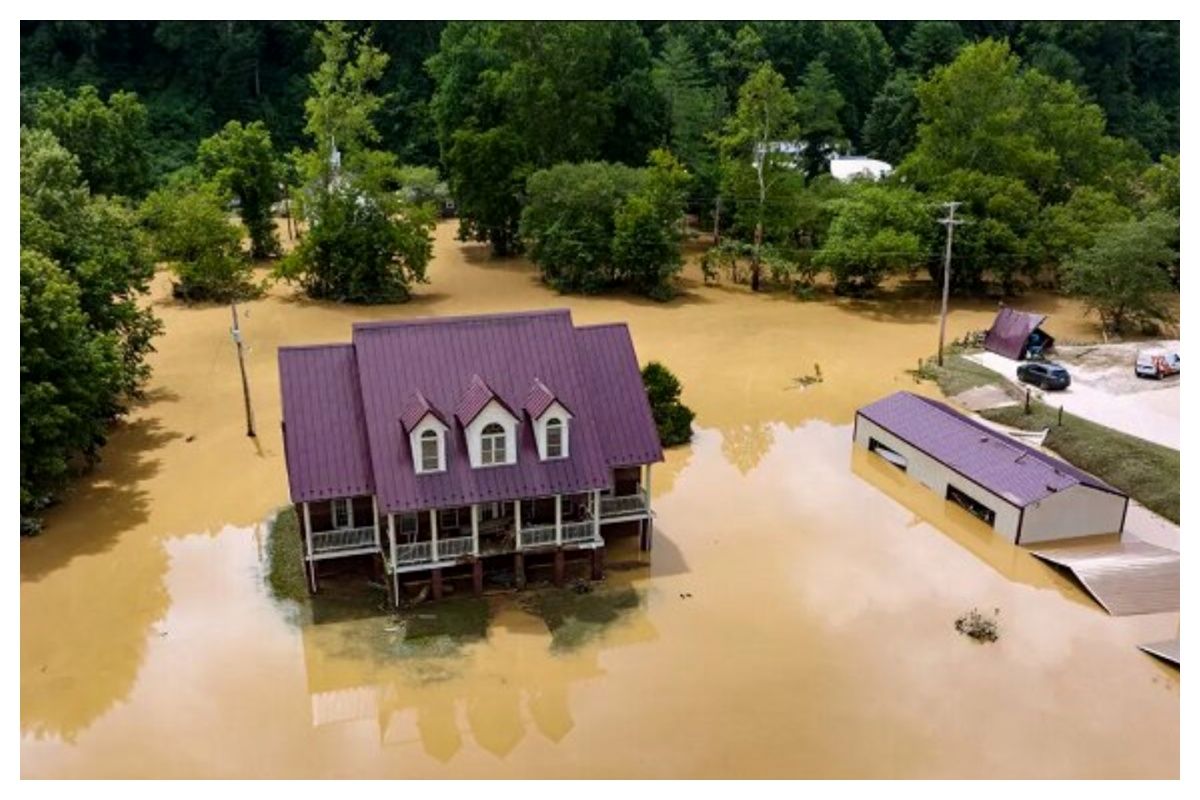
pixel 978 509
pixel 890 455
pixel 494 447
pixel 408 527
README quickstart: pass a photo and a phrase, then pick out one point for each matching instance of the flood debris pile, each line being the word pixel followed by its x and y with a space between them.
pixel 978 626
pixel 804 381
pixel 575 617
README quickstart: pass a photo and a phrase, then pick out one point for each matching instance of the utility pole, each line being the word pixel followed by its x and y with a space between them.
pixel 949 221
pixel 237 338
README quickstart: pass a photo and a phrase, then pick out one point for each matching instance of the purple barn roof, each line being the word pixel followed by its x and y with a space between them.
pixel 1000 464
pixel 398 371
pixel 1010 331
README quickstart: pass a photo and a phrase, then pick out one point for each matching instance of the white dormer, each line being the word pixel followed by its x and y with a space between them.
pixel 427 441
pixel 492 436
pixel 553 432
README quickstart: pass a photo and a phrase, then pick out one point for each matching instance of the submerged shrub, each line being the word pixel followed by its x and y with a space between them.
pixel 673 418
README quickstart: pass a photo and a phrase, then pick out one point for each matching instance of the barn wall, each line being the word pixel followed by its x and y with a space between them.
pixel 1077 511
pixel 937 476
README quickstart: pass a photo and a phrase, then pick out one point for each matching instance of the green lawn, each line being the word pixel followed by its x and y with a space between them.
pixel 1147 472
pixel 959 373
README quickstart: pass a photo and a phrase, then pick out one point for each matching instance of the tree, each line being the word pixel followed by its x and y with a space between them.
pixel 71 381
pixel 109 138
pixel 817 105
pixel 96 242
pixel 1065 228
pixel 672 418
pixel 694 109
pixel 194 234
pixel 365 243
pixel 1160 186
pixel 241 161
pixel 764 119
pixel 648 228
pixel 890 131
pixel 1122 276
pixel 876 230
pixel 933 43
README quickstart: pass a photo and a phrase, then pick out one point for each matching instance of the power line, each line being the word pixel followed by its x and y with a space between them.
pixel 949 221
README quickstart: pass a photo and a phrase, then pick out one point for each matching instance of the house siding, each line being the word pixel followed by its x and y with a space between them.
pixel 1078 511
pixel 937 476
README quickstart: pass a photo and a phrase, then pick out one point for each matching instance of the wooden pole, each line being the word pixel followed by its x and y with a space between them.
pixel 949 222
pixel 237 338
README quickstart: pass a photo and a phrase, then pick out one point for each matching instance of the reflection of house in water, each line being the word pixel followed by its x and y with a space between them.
pixel 490 693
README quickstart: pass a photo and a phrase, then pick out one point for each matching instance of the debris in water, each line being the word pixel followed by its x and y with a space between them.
pixel 808 380
pixel 190 438
pixel 978 627
pixel 581 587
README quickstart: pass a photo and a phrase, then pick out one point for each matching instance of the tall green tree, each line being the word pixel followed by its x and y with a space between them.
pixel 694 109
pixel 817 105
pixel 71 381
pixel 890 130
pixel 1123 275
pixel 754 163
pixel 933 43
pixel 109 138
pixel 241 161
pixel 96 241
pixel 365 243
pixel 875 231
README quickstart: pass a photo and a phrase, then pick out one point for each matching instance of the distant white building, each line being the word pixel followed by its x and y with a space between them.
pixel 846 168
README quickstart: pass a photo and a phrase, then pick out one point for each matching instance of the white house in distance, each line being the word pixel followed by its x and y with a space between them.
pixel 847 168
pixel 1024 494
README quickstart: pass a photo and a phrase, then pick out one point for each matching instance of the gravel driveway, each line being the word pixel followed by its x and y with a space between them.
pixel 1105 390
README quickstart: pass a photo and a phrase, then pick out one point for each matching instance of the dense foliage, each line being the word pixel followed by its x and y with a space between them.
pixel 365 242
pixel 594 226
pixel 240 160
pixel 673 418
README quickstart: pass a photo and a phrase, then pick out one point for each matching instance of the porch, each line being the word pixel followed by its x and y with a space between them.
pixel 341 527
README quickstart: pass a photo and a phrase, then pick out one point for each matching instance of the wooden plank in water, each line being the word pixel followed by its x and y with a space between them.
pixel 1124 577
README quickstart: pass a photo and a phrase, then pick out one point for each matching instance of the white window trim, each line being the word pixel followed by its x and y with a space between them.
pixel 347 505
pixel 493 412
pixel 490 441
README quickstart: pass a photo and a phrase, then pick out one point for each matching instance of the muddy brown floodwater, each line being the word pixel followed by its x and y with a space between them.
pixel 797 618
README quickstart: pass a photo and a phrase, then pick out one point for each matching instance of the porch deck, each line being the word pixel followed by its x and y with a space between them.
pixel 342 542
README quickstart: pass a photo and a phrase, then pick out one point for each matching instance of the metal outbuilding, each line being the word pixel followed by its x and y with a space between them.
pixel 1015 334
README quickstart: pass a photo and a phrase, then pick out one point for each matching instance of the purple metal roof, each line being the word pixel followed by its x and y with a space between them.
pixel 619 406
pixel 1008 468
pixel 474 400
pixel 1010 331
pixel 324 438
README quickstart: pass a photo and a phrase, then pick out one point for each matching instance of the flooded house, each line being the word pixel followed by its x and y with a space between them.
pixel 449 448
pixel 1026 495
pixel 1017 334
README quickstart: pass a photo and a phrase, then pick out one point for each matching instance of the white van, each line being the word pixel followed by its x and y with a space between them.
pixel 1156 364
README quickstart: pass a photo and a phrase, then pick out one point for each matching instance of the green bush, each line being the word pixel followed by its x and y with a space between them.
pixel 673 418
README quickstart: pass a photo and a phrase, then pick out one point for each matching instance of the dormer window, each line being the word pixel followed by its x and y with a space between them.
pixel 430 451
pixel 493 445
pixel 554 438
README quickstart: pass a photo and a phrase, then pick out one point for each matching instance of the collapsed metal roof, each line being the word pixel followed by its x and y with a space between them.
pixel 1130 577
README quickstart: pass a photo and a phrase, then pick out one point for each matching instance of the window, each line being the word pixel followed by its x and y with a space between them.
pixel 448 519
pixel 554 438
pixel 430 457
pixel 408 527
pixel 494 447
pixel 341 513
pixel 955 495
pixel 889 455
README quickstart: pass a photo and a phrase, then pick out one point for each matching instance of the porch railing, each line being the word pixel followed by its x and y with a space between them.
pixel 414 553
pixel 577 531
pixel 450 548
pixel 537 535
pixel 343 539
pixel 623 504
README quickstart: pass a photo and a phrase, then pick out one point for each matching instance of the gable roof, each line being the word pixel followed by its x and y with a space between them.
pixel 539 399
pixel 1010 331
pixel 324 435
pixel 415 409
pixel 619 405
pixel 475 400
pixel 1008 468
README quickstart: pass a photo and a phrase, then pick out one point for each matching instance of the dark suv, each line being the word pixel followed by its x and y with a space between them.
pixel 1044 374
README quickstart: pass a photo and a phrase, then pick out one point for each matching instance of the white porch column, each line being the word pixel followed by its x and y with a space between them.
pixel 649 512
pixel 375 522
pixel 392 563
pixel 558 520
pixel 596 514
pixel 433 533
pixel 517 519
pixel 475 528
pixel 308 546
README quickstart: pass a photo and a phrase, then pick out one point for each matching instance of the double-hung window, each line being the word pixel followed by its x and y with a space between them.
pixel 431 460
pixel 554 438
pixel 493 444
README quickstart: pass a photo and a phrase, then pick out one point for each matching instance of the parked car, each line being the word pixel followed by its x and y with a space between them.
pixel 1045 374
pixel 1156 364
